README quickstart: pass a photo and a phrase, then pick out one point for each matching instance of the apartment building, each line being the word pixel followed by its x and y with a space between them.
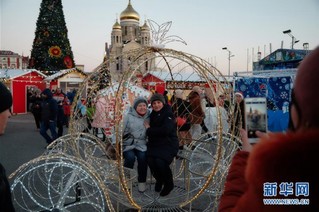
pixel 12 60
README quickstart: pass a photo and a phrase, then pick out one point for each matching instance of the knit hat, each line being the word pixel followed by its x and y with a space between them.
pixel 5 98
pixel 239 94
pixel 158 97
pixel 48 93
pixel 197 89
pixel 306 89
pixel 139 100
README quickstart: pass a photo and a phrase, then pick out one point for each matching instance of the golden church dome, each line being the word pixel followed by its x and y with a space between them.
pixel 129 13
pixel 117 25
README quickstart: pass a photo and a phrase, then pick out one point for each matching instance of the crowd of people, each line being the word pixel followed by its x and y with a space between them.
pixel 51 111
pixel 152 137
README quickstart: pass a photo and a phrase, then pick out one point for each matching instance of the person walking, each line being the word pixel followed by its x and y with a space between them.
pixel 162 145
pixel 59 96
pixel 60 118
pixel 49 110
pixel 134 139
pixel 66 105
pixel 36 107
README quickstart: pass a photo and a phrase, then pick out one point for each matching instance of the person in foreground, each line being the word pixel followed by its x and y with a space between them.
pixel 162 144
pixel 6 204
pixel 134 140
pixel 5 105
pixel 281 166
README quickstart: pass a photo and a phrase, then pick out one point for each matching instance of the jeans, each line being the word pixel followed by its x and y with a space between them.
pixel 129 160
pixel 44 126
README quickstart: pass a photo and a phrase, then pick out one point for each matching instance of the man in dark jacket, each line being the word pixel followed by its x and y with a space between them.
pixel 162 144
pixel 49 109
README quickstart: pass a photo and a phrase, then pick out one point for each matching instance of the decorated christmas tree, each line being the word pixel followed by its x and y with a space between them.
pixel 51 50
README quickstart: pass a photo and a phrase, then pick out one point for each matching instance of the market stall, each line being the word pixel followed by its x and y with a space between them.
pixel 20 81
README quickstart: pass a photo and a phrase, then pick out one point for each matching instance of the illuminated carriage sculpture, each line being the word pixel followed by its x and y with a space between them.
pixel 76 173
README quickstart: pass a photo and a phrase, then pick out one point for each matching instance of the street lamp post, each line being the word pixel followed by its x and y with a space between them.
pixel 288 32
pixel 229 56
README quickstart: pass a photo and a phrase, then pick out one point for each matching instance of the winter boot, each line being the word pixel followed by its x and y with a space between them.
pixel 167 189
pixel 158 186
pixel 141 187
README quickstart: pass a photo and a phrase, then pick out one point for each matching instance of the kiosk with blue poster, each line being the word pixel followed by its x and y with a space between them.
pixel 276 86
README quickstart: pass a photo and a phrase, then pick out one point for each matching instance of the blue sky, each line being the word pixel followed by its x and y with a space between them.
pixel 236 24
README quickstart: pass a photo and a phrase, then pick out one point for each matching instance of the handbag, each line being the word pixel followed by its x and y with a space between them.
pixel 128 136
pixel 180 121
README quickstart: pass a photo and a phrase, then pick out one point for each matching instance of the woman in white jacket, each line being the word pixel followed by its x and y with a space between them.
pixel 213 114
pixel 134 139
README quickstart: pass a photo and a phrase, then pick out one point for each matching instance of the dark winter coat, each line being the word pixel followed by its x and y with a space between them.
pixel 181 108
pixel 60 114
pixel 162 136
pixel 36 105
pixel 49 107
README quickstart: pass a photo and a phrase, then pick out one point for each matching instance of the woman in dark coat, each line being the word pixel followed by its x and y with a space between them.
pixel 36 107
pixel 162 144
pixel 181 108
